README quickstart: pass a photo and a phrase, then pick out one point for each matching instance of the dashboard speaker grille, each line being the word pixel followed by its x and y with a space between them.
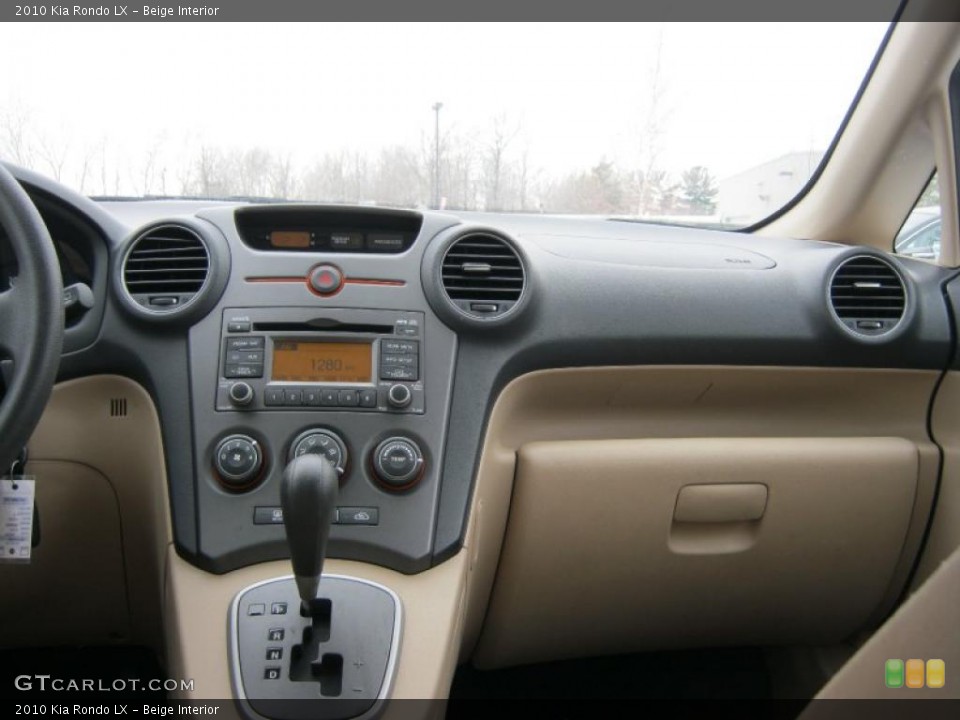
pixel 868 295
pixel 166 267
pixel 482 275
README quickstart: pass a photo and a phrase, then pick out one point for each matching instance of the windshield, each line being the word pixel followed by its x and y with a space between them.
pixel 717 124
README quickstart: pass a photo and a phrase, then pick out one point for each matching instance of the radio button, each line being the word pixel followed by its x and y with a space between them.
pixel 405 360
pixel 244 343
pixel 311 397
pixel 348 398
pixel 328 396
pixel 368 398
pixel 292 396
pixel 273 396
pixel 395 372
pixel 238 327
pixel 246 357
pixel 410 347
pixel 243 371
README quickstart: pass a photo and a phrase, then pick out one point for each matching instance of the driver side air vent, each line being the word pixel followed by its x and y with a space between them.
pixel 165 268
pixel 868 295
pixel 482 275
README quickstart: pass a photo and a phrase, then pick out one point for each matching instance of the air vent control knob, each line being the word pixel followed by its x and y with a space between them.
pixel 238 461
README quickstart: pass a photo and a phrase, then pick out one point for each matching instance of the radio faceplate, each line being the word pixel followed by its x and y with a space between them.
pixel 341 359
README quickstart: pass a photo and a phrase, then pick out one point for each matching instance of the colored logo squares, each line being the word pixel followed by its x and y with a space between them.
pixel 914 673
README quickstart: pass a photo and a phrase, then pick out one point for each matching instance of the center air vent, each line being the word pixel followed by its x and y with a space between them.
pixel 868 295
pixel 482 275
pixel 165 268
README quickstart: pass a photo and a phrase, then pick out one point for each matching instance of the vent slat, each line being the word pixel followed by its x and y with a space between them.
pixel 868 289
pixel 502 284
pixel 167 261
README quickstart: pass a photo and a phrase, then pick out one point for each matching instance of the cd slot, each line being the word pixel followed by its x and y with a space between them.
pixel 322 325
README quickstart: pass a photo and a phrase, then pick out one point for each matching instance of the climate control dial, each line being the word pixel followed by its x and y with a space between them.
pixel 322 442
pixel 398 463
pixel 238 461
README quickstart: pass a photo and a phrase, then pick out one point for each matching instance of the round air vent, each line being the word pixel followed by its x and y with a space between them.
pixel 482 275
pixel 868 296
pixel 172 270
pixel 165 268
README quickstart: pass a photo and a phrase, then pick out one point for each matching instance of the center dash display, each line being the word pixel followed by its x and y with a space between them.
pixel 295 361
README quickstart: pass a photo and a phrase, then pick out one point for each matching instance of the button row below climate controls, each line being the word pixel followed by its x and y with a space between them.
pixel 313 396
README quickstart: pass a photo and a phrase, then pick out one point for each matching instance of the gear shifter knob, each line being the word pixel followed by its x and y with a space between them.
pixel 308 495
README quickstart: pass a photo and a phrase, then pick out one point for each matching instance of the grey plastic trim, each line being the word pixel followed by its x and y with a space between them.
pixel 236 679
pixel 218 257
pixel 432 271
pixel 908 306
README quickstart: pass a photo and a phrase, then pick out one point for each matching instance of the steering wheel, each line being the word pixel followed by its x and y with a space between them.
pixel 31 319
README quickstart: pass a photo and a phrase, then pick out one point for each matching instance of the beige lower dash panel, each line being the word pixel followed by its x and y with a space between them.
pixel 196 605
pixel 594 560
pixel 72 592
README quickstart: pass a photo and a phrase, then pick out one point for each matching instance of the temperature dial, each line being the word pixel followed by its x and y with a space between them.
pixel 398 462
pixel 321 442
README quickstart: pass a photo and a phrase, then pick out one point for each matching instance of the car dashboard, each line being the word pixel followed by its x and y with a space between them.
pixel 538 400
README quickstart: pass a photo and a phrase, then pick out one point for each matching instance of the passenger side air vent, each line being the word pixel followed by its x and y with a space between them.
pixel 868 295
pixel 165 268
pixel 482 275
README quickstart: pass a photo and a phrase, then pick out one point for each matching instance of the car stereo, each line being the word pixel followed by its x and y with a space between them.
pixel 310 359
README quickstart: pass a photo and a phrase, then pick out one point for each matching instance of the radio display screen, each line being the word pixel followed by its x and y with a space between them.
pixel 319 362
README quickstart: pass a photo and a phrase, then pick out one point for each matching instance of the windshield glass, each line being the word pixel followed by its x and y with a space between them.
pixel 717 124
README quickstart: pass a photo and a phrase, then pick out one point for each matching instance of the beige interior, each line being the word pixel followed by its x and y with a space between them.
pixel 924 627
pixel 101 494
pixel 432 610
pixel 945 530
pixel 596 545
pixel 567 408
pixel 715 504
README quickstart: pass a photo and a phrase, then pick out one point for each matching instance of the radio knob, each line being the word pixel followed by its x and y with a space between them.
pixel 238 461
pixel 397 463
pixel 241 394
pixel 399 396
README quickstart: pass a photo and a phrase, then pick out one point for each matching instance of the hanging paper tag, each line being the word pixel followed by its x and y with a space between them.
pixel 16 519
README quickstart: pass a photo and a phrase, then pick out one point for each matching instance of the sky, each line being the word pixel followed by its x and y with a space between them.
pixel 733 95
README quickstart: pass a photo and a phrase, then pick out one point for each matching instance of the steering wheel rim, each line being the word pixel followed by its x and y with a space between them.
pixel 31 319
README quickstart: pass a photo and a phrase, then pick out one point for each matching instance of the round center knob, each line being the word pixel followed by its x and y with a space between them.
pixel 326 279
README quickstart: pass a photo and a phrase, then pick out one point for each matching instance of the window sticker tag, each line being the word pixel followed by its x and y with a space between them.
pixel 16 519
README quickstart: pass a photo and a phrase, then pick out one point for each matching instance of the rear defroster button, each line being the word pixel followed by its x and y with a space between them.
pixel 326 279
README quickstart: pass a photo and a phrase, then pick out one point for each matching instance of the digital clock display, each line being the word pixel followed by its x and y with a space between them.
pixel 322 362
pixel 289 239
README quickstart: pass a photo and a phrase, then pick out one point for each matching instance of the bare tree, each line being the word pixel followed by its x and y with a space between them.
pixel 15 142
pixel 651 132
pixel 501 135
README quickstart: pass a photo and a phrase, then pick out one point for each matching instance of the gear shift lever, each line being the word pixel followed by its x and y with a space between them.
pixel 308 495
